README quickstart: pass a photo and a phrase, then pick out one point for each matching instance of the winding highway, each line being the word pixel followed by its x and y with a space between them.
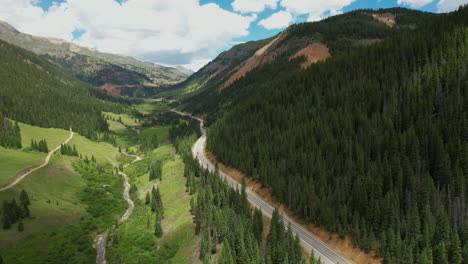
pixel 327 255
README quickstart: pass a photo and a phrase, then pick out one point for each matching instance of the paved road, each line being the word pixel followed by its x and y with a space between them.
pixel 308 241
pixel 100 240
pixel 20 176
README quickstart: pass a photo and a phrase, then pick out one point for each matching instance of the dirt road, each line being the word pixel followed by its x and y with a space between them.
pixel 20 176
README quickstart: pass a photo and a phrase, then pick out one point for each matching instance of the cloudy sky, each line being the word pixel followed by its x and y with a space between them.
pixel 179 32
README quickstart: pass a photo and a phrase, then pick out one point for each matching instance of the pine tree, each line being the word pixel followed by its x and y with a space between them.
pixel 205 246
pixel 24 198
pixel 440 254
pixel 226 254
pixel 258 225
pixel 455 250
pixel 147 198
pixel 158 231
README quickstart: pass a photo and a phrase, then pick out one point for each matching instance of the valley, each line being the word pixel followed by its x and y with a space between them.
pixel 341 140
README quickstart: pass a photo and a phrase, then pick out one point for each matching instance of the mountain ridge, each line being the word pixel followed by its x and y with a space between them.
pixel 137 78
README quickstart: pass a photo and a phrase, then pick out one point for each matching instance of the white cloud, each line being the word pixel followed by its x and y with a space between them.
pixel 415 3
pixel 278 20
pixel 316 9
pixel 246 6
pixel 164 31
pixel 450 5
pixel 196 64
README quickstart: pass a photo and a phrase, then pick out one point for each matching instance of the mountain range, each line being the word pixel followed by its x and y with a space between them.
pixel 117 74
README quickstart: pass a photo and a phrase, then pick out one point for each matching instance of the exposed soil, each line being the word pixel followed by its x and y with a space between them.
pixel 114 89
pixel 261 57
pixel 343 246
pixel 387 18
pixel 315 52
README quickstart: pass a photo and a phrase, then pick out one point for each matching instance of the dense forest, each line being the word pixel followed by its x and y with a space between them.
pixel 371 143
pixel 36 92
pixel 341 34
pixel 224 218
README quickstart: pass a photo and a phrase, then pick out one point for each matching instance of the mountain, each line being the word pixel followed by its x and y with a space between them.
pixel 37 92
pixel 296 48
pixel 117 74
pixel 370 143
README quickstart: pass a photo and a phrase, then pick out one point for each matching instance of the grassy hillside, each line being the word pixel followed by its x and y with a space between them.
pixel 102 151
pixel 13 161
pixel 55 183
pixel 53 191
pixel 53 136
pixel 135 239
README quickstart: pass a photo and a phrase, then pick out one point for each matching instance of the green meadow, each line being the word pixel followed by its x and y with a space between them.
pixel 127 120
pixel 13 161
pixel 134 241
pixel 53 136
pixel 53 193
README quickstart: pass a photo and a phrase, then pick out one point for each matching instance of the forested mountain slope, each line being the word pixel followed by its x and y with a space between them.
pixel 117 74
pixel 36 92
pixel 215 89
pixel 371 143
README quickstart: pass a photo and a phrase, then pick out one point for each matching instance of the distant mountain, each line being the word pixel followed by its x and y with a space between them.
pixel 37 92
pixel 117 74
pixel 294 49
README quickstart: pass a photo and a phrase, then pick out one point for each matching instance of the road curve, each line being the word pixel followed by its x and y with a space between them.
pixel 308 241
pixel 20 176
pixel 101 238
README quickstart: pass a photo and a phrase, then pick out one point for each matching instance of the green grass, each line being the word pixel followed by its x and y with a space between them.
pixel 126 119
pixel 151 107
pixel 115 126
pixel 161 131
pixel 56 182
pixel 102 151
pixel 73 244
pixel 13 161
pixel 53 136
pixel 136 242
pixel 126 137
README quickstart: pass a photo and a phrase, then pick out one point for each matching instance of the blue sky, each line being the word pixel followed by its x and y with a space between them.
pixel 258 32
pixel 179 32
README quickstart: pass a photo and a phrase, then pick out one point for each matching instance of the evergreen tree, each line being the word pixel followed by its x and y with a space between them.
pixel 258 225
pixel 147 198
pixel 158 231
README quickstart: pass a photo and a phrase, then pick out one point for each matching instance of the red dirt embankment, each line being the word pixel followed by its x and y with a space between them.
pixel 262 56
pixel 314 53
pixel 114 89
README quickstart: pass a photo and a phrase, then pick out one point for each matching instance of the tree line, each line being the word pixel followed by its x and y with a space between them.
pixel 69 150
pixel 13 212
pixel 40 145
pixel 370 144
pixel 10 134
